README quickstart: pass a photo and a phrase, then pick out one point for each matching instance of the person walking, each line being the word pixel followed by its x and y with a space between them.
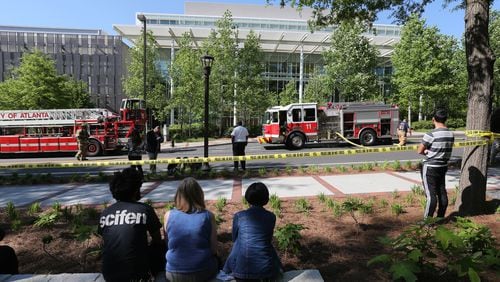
pixel 82 137
pixel 153 146
pixel 124 227
pixel 403 132
pixel 191 236
pixel 239 139
pixel 135 147
pixel 436 146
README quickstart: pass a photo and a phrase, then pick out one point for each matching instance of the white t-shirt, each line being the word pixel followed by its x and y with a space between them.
pixel 240 134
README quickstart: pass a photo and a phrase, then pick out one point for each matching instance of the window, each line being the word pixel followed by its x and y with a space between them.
pixel 310 114
pixel 296 115
pixel 275 117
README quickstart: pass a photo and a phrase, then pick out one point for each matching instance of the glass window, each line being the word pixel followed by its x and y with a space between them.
pixel 296 115
pixel 275 117
pixel 310 114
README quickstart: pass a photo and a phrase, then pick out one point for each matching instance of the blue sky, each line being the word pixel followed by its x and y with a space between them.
pixel 102 14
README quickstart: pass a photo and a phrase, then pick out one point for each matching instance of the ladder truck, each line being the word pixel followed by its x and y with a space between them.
pixel 47 131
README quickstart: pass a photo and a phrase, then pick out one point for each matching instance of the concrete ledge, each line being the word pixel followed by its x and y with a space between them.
pixel 306 275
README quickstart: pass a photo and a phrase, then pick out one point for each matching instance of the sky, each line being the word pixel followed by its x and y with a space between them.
pixel 102 14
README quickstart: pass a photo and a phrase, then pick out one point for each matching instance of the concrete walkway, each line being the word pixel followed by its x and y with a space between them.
pixel 233 189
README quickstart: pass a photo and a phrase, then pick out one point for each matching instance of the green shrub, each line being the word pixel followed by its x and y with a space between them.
pixel 275 203
pixel 422 125
pixel 12 212
pixel 464 249
pixel 197 130
pixel 397 209
pixel 303 206
pixel 454 123
pixel 322 197
pixel 34 208
pixel 220 204
pixel 417 190
pixel 288 237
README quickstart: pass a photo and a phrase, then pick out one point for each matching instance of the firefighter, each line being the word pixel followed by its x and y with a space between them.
pixel 402 132
pixel 82 137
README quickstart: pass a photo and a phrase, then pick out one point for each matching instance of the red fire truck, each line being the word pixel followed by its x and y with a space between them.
pixel 296 124
pixel 42 131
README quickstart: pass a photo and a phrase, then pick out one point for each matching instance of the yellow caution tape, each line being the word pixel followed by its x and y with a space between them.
pixel 482 133
pixel 332 153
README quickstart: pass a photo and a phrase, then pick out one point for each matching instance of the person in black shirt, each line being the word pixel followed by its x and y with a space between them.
pixel 124 227
pixel 153 146
pixel 8 258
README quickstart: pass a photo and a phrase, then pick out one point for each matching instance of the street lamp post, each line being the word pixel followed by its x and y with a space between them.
pixel 206 61
pixel 142 18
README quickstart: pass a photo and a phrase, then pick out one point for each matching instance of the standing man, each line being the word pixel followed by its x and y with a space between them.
pixel 402 132
pixel 436 146
pixel 239 138
pixel 153 143
pixel 82 136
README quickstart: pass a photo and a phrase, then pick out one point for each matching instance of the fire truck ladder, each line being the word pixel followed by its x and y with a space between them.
pixel 49 117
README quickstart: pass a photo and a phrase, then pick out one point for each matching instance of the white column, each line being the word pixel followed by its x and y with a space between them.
pixel 172 55
pixel 420 106
pixel 301 75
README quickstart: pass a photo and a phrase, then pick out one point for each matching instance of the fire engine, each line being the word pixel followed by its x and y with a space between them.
pixel 298 123
pixel 42 131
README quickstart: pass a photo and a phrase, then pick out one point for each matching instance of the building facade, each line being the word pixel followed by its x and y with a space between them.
pixel 87 55
pixel 291 51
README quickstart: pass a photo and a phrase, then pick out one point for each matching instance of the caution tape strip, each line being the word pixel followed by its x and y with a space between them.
pixel 235 158
pixel 482 133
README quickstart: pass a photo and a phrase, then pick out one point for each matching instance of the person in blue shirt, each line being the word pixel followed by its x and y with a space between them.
pixel 191 236
pixel 253 257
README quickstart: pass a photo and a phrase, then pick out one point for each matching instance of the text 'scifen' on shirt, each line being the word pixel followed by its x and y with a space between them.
pixel 122 217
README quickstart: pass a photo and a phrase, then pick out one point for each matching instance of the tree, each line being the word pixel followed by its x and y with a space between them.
pixel 221 45
pixel 133 84
pixel 480 60
pixel 350 63
pixel 318 89
pixel 495 46
pixel 288 95
pixel 36 85
pixel 251 99
pixel 424 65
pixel 185 71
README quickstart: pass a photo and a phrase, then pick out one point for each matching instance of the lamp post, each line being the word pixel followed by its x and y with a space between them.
pixel 206 61
pixel 142 18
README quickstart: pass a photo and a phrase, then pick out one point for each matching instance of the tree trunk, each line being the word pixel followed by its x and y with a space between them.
pixel 471 197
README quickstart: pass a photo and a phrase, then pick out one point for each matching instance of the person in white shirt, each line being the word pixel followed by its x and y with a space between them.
pixel 239 138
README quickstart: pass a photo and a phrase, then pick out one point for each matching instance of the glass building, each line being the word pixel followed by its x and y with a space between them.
pixel 291 51
pixel 84 54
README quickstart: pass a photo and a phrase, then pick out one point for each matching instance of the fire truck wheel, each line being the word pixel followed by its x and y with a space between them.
pixel 296 141
pixel 94 148
pixel 368 138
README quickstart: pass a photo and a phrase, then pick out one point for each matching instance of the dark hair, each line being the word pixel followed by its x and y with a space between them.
pixel 240 123
pixel 2 234
pixel 257 194
pixel 440 115
pixel 126 185
pixel 189 196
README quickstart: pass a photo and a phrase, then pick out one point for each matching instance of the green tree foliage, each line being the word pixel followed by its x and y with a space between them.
pixel 424 63
pixel 188 97
pixel 288 95
pixel 155 82
pixel 318 89
pixel 480 64
pixel 495 46
pixel 221 45
pixel 36 85
pixel 350 63
pixel 251 99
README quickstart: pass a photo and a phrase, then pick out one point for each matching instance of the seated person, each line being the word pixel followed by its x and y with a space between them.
pixel 8 258
pixel 253 256
pixel 124 226
pixel 191 235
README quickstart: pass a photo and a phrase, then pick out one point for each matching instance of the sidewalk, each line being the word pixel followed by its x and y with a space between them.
pixel 233 189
